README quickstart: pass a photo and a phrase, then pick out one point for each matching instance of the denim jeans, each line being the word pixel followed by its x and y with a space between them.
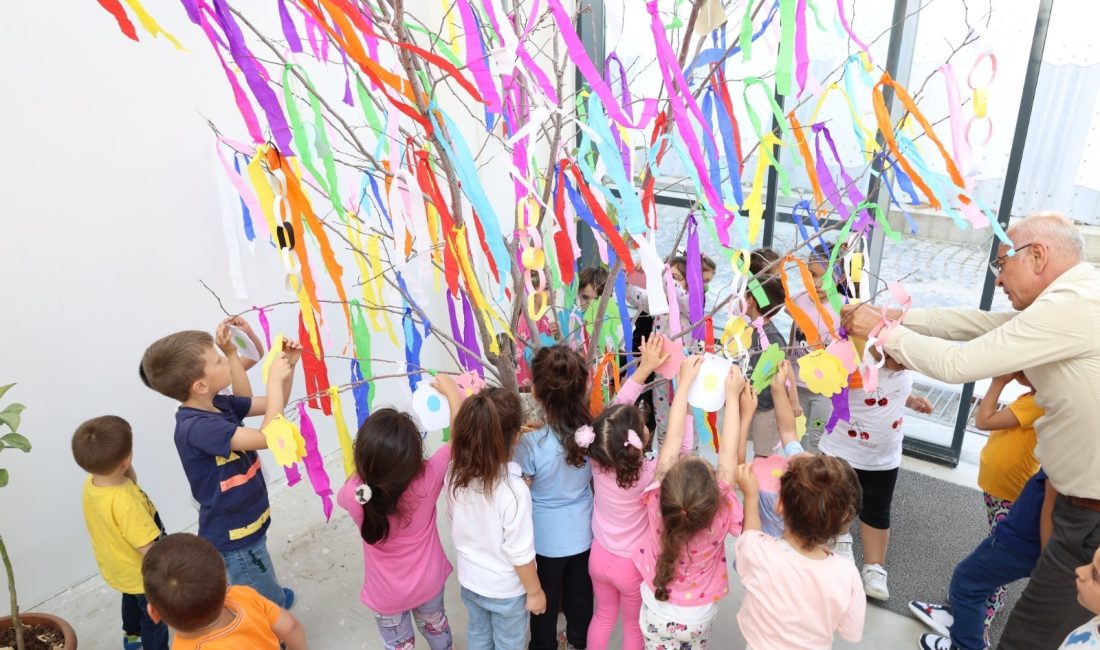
pixel 136 621
pixel 397 630
pixel 987 568
pixel 251 566
pixel 495 623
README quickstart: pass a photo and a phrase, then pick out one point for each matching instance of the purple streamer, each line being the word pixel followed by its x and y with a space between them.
pixel 694 279
pixel 840 410
pixel 289 31
pixel 456 331
pixel 469 337
pixel 315 465
pixel 255 78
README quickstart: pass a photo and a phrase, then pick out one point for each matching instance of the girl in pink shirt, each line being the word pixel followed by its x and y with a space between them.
pixel 689 510
pixel 617 443
pixel 392 498
pixel 798 593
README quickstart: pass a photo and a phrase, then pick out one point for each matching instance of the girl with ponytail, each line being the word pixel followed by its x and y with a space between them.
pixel 689 509
pixel 392 498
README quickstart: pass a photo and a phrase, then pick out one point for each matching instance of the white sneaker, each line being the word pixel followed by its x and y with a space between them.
pixel 874 582
pixel 934 642
pixel 937 617
pixel 842 546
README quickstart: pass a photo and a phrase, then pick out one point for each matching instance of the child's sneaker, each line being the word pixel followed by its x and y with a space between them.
pixel 288 598
pixel 874 581
pixel 935 642
pixel 131 642
pixel 842 546
pixel 937 617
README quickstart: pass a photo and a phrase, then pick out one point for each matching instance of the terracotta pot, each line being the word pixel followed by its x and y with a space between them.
pixel 36 618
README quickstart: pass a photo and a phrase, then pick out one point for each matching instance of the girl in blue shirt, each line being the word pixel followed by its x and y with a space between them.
pixel 561 492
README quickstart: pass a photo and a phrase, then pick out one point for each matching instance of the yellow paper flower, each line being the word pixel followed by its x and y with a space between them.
pixel 823 373
pixel 285 441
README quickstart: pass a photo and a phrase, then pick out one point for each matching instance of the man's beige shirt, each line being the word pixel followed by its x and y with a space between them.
pixel 1056 341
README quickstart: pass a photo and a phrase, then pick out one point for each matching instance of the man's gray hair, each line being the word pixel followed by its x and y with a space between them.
pixel 1055 231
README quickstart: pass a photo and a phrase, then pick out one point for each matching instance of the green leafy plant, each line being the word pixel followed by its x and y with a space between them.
pixel 10 417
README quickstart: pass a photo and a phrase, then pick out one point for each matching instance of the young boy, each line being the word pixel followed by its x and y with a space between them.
pixel 1088 594
pixel 218 452
pixel 186 585
pixel 122 522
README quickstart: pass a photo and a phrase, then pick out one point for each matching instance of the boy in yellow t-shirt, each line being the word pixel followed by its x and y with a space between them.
pixel 186 583
pixel 122 522
pixel 1008 459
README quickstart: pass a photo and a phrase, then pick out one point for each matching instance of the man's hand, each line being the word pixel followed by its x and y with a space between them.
pixel 860 319
pixel 293 351
pixel 919 404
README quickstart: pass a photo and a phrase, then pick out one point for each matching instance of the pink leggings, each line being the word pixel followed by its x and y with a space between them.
pixel 617 587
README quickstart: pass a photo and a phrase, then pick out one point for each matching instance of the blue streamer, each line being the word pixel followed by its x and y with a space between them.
pixel 361 392
pixel 716 54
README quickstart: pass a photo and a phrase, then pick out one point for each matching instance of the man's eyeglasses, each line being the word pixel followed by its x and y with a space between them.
pixel 996 265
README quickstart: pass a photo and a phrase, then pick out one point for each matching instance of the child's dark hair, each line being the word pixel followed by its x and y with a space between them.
pixel 690 499
pixel 101 444
pixel 478 452
pixel 679 262
pixel 772 287
pixel 389 455
pixel 592 275
pixel 560 383
pixel 510 412
pixel 820 497
pixel 610 449
pixel 172 364
pixel 763 260
pixel 185 581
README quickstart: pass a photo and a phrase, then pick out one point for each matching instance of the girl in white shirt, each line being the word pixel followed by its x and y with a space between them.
pixel 489 507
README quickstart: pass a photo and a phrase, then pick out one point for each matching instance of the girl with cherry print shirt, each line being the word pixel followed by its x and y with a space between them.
pixel 870 440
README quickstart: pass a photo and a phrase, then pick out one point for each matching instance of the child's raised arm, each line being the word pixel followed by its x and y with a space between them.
pixel 988 417
pixel 240 323
pixel 677 415
pixel 447 387
pixel 731 426
pixel 784 409
pixel 748 400
pixel 750 490
pixel 238 378
pixel 272 405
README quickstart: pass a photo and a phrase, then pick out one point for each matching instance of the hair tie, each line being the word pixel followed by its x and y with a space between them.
pixel 632 439
pixel 584 436
pixel 363 494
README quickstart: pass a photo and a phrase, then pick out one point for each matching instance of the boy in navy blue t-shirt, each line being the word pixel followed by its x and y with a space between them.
pixel 217 451
pixel 1007 555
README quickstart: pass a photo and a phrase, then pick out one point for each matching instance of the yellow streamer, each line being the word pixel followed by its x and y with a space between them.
pixel 463 255
pixel 346 445
pixel 264 195
pixel 151 25
pixel 754 202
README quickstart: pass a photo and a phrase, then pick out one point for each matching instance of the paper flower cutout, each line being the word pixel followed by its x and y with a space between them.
pixel 737 336
pixel 285 441
pixel 766 367
pixel 823 373
pixel 469 383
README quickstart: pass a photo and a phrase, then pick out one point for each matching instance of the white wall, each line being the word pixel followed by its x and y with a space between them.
pixel 112 213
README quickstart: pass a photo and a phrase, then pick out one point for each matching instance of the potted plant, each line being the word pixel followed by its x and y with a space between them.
pixel 28 631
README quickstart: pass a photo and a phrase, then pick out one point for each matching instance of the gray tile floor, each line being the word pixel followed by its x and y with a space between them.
pixel 323 563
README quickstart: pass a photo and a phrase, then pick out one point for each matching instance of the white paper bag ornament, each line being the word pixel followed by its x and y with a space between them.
pixel 708 391
pixel 431 408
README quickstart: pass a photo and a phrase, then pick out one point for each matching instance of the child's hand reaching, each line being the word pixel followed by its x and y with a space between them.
pixel 735 382
pixel 652 356
pixel 746 480
pixel 689 370
pixel 748 400
pixel 293 350
pixel 782 374
pixel 446 386
pixel 223 338
pixel 281 369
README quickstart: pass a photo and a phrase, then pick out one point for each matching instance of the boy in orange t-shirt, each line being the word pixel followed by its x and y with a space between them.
pixel 185 584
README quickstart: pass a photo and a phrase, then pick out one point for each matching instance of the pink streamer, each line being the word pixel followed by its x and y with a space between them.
pixel 315 465
pixel 242 188
pixel 801 53
pixel 848 28
pixel 243 105
pixel 264 325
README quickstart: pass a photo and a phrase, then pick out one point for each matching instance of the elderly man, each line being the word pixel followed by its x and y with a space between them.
pixel 1055 339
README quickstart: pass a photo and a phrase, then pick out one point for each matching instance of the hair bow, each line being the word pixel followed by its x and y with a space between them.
pixel 632 439
pixel 584 436
pixel 363 494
